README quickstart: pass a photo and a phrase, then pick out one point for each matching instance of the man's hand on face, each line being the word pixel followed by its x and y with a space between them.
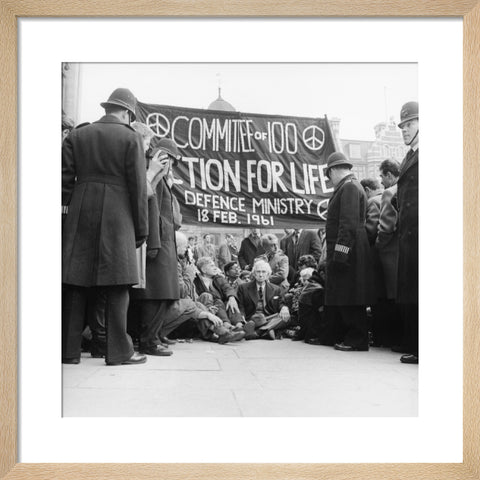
pixel 158 168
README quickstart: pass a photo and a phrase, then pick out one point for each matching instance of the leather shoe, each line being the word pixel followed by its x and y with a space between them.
pixel 71 361
pixel 348 348
pixel 249 327
pixel 314 341
pixel 167 341
pixel 231 337
pixel 413 359
pixel 135 359
pixel 157 351
pixel 269 335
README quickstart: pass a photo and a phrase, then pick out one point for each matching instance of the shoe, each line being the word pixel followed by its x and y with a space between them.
pixel 269 335
pixel 71 361
pixel 399 349
pixel 249 327
pixel 157 351
pixel 348 348
pixel 167 341
pixel 231 337
pixel 413 359
pixel 135 359
pixel 314 341
pixel 298 338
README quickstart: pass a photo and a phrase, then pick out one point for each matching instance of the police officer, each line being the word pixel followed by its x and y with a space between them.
pixel 407 204
pixel 348 274
pixel 104 192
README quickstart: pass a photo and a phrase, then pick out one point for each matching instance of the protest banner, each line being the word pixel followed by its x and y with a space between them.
pixel 246 170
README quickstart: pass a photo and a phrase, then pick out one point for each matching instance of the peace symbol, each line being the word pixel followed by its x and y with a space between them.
pixel 159 124
pixel 313 137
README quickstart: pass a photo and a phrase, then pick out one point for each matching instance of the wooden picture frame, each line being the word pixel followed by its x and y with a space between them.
pixel 11 10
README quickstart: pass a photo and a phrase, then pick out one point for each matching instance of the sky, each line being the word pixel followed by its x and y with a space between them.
pixel 360 94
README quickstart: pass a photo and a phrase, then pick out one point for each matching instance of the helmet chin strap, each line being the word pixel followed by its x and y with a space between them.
pixel 411 141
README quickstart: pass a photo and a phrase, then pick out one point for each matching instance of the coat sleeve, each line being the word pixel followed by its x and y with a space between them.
pixel 153 240
pixel 241 296
pixel 348 222
pixel 371 224
pixel 68 171
pixel 136 178
pixel 281 271
pixel 315 246
pixel 241 256
pixel 224 255
pixel 387 223
pixel 224 287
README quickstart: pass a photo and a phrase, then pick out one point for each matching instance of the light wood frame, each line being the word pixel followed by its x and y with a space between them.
pixel 11 10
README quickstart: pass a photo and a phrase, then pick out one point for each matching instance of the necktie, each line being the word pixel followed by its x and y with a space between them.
pixel 260 293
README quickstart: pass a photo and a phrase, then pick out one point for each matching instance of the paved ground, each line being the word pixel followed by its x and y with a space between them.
pixel 248 379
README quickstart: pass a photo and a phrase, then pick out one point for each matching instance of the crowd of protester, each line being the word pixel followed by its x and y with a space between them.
pixel 134 284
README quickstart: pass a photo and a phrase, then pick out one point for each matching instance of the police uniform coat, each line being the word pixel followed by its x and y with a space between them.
pixel 104 187
pixel 162 271
pixel 407 202
pixel 348 276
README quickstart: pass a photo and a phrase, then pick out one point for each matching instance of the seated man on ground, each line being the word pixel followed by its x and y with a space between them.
pixel 261 304
pixel 232 275
pixel 208 325
pixel 209 283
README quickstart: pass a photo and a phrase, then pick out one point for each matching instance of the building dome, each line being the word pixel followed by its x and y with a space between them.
pixel 221 104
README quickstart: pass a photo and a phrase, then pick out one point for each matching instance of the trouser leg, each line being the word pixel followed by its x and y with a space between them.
pixel 96 321
pixel 354 319
pixel 74 307
pixel 119 343
pixel 410 321
pixel 152 318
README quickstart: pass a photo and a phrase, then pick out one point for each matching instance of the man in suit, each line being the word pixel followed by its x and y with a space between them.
pixel 302 242
pixel 407 202
pixel 348 269
pixel 260 299
pixel 104 191
pixel 386 244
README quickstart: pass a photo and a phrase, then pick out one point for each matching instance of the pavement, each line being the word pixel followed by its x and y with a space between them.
pixel 256 378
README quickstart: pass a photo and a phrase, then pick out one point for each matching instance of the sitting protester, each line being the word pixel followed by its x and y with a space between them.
pixel 209 281
pixel 232 274
pixel 261 304
pixel 203 322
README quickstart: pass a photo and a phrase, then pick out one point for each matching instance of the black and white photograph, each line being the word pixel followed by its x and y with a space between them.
pixel 240 240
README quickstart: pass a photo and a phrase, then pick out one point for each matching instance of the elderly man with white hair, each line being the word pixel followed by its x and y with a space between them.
pixel 262 304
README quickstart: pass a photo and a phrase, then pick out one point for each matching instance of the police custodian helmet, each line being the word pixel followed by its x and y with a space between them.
pixel 408 112
pixel 122 97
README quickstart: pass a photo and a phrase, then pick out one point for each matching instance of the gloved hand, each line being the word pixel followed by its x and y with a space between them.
pixel 152 253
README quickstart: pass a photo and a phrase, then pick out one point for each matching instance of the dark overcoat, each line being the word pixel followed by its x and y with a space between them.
pixel 162 271
pixel 407 202
pixel 104 187
pixel 349 271
pixel 247 295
